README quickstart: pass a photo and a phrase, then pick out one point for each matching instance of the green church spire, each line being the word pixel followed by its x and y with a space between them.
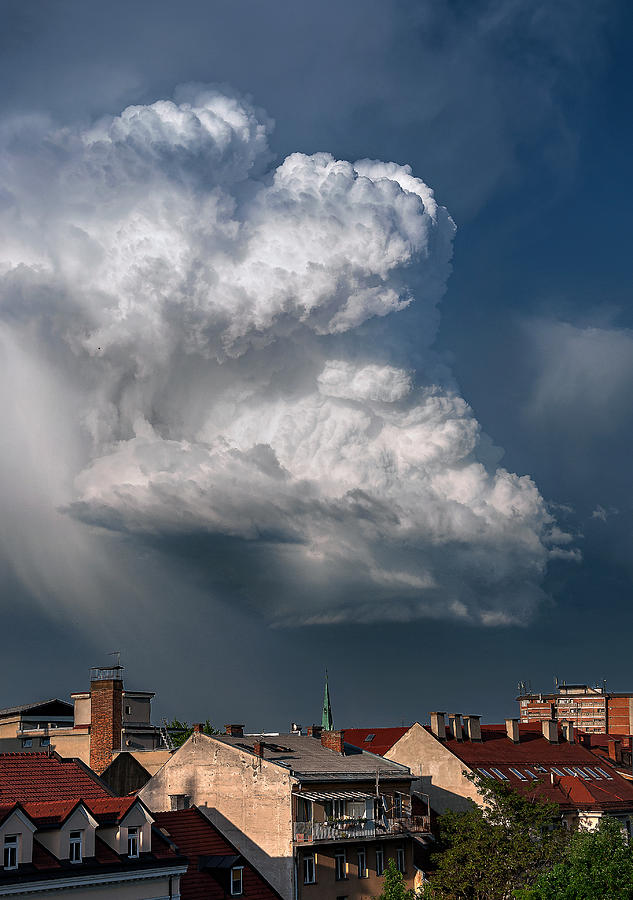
pixel 326 719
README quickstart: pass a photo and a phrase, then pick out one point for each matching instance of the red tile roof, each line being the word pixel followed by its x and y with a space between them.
pixel 195 836
pixel 591 787
pixel 50 812
pixel 34 777
pixel 382 741
pixel 111 809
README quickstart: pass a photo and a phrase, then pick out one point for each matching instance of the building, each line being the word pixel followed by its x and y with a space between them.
pixel 318 817
pixel 217 869
pixel 63 833
pixel 98 724
pixel 129 771
pixel 594 709
pixel 540 757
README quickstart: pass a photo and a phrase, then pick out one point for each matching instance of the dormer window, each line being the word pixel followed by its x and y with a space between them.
pixel 132 843
pixel 11 851
pixel 75 855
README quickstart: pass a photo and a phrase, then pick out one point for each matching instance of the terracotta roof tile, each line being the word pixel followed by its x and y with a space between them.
pixel 34 777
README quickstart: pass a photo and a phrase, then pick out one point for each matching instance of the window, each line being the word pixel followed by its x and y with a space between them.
pixel 237 881
pixel 531 774
pixel 180 801
pixel 581 773
pixel 557 771
pixel 500 775
pixel 485 773
pixel 397 806
pixel 380 861
pixel 11 851
pixel 309 871
pixel 362 863
pixel 541 770
pixel 591 772
pixel 569 770
pixel 27 742
pixel 75 846
pixel 341 865
pixel 518 774
pixel 45 742
pixel 304 810
pixel 369 738
pixel 132 843
pixel 128 710
pixel 338 809
pixel 602 772
pixel 400 860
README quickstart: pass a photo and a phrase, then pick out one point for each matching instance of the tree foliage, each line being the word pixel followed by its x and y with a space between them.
pixel 488 851
pixel 179 732
pixel 393 885
pixel 597 865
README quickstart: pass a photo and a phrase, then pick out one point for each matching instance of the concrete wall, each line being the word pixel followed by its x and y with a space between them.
pixel 248 798
pixel 140 709
pixel 439 773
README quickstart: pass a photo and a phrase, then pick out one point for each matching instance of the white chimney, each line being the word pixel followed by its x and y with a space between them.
pixel 550 730
pixel 568 730
pixel 438 724
pixel 455 725
pixel 472 726
pixel 512 730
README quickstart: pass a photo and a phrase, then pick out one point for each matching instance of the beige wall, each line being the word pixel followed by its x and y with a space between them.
pixel 57 840
pixel 355 888
pixel 82 708
pixel 149 889
pixel 20 825
pixel 248 798
pixel 440 774
pixel 140 710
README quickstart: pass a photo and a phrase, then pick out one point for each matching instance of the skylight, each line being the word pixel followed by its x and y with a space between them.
pixel 557 771
pixel 485 773
pixel 518 774
pixel 369 737
pixel 602 772
pixel 501 775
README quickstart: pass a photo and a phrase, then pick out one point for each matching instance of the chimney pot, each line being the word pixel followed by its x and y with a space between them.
pixel 567 728
pixel 198 728
pixel 455 726
pixel 258 748
pixel 512 730
pixel 472 725
pixel 438 725
pixel 234 730
pixel 550 730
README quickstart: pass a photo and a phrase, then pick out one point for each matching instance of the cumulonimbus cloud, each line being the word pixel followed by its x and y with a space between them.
pixel 226 326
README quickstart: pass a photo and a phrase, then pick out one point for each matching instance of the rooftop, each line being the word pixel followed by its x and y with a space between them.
pixel 53 708
pixel 377 740
pixel 308 759
pixel 43 777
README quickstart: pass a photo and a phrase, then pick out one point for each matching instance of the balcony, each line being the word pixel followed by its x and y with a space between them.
pixel 359 829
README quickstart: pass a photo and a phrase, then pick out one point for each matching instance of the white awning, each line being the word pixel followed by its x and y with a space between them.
pixel 334 795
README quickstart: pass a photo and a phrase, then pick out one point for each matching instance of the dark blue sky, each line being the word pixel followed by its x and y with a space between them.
pixel 518 115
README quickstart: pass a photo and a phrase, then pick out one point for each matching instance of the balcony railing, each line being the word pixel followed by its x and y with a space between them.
pixel 363 829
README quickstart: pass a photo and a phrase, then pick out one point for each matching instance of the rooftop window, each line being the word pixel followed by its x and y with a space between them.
pixel 518 774
pixel 11 851
pixel 500 775
pixel 75 855
pixel 369 737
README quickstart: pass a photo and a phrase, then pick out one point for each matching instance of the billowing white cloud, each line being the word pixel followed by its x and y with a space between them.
pixel 215 324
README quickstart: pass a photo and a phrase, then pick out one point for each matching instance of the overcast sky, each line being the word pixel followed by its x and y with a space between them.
pixel 316 350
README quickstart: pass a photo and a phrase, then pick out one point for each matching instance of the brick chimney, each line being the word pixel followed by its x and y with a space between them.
pixel 472 727
pixel 512 730
pixel 438 724
pixel 234 730
pixel 455 725
pixel 614 751
pixel 333 740
pixel 106 715
pixel 198 728
pixel 550 730
pixel 315 731
pixel 258 748
pixel 567 728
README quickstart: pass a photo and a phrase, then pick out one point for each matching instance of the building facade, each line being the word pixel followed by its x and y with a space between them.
pixel 63 834
pixel 319 818
pixel 593 709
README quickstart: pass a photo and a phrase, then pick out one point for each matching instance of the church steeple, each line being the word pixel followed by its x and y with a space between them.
pixel 326 719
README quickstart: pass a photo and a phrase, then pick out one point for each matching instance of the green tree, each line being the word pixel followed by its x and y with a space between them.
pixel 489 850
pixel 393 886
pixel 597 865
pixel 179 732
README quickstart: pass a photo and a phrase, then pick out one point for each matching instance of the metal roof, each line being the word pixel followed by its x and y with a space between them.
pixel 33 707
pixel 334 795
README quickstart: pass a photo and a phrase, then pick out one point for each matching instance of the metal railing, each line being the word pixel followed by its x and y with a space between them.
pixel 353 829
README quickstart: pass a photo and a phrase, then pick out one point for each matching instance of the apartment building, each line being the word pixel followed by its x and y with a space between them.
pixel 319 818
pixel 98 724
pixel 594 709
pixel 63 834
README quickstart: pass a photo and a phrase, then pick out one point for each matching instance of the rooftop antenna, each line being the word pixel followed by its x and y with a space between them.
pixel 116 653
